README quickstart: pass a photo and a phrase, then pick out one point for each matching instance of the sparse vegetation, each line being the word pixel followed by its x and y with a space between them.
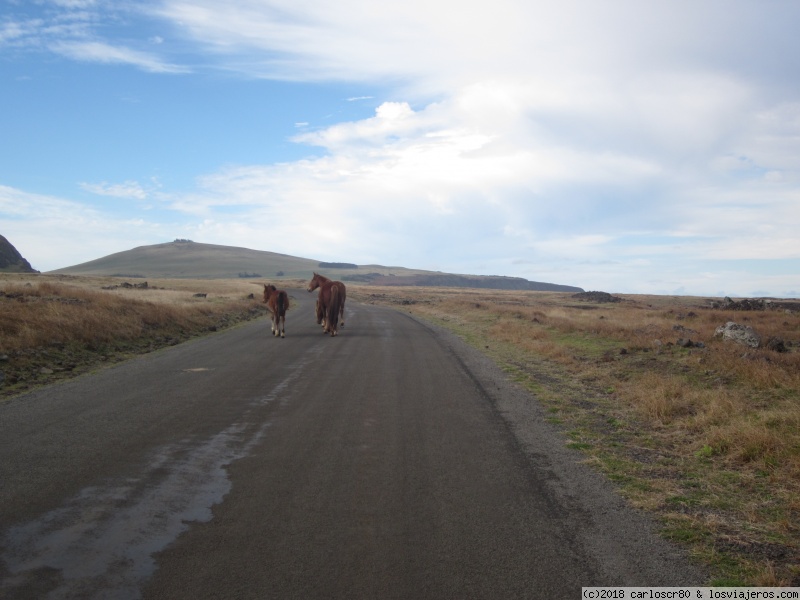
pixel 704 434
pixel 53 327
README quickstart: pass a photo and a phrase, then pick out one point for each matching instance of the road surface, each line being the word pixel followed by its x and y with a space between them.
pixel 389 462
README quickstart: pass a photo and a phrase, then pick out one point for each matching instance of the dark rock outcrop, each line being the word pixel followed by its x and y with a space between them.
pixel 11 261
pixel 596 297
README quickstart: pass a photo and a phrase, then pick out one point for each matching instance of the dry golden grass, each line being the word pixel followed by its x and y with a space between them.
pixel 707 438
pixel 54 326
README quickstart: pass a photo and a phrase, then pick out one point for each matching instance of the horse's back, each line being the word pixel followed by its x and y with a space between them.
pixel 277 300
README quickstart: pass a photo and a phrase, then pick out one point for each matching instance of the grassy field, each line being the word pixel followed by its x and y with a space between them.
pixel 57 326
pixel 704 436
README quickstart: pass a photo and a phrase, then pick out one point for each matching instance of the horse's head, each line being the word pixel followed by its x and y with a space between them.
pixel 268 289
pixel 314 283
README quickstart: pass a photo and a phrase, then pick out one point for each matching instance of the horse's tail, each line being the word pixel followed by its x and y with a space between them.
pixel 344 297
pixel 333 308
pixel 283 303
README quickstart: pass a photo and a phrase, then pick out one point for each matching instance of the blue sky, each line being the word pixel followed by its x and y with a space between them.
pixel 624 146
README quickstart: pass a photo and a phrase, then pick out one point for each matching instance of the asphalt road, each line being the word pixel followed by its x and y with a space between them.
pixel 389 462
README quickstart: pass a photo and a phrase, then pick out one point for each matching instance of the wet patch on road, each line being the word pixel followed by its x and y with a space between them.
pixel 103 540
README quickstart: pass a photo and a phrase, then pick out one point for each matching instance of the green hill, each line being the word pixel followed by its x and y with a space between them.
pixel 193 260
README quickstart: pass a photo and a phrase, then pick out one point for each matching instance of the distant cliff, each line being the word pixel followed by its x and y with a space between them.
pixel 11 260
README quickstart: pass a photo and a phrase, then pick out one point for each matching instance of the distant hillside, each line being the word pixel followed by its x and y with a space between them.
pixel 11 260
pixel 193 260
pixel 493 282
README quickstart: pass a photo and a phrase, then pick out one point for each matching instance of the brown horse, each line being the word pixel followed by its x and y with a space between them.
pixel 319 280
pixel 331 296
pixel 329 304
pixel 277 302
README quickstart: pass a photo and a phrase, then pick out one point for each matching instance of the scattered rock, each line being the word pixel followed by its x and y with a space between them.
pixel 776 344
pixel 744 304
pixel 199 295
pixel 788 306
pixel 683 329
pixel 596 297
pixel 688 343
pixel 741 334
pixel 127 286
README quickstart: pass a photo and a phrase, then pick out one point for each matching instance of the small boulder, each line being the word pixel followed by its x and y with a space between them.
pixel 741 334
pixel 776 344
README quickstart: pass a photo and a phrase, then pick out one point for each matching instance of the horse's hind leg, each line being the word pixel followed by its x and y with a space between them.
pixel 283 326
pixel 320 314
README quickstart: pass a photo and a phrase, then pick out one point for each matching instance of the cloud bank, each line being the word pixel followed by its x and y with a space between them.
pixel 641 147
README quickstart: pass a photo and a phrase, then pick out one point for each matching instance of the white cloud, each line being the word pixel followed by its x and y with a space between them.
pixel 128 189
pixel 11 32
pixel 101 52
pixel 70 28
pixel 459 175
pixel 25 216
pixel 75 3
pixel 431 45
